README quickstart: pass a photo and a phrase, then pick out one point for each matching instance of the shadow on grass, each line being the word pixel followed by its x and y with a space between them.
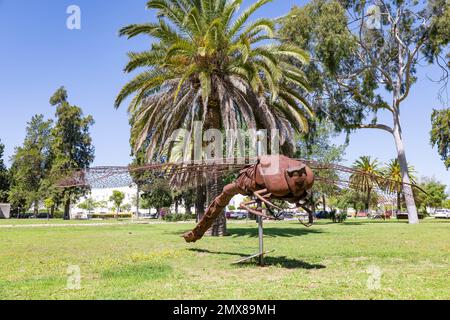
pixel 270 231
pixel 351 222
pixel 273 231
pixel 283 262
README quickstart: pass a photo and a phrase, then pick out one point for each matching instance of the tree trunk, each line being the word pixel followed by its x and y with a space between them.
pixel 36 210
pixel 213 121
pixel 200 202
pixel 67 210
pixel 369 193
pixel 399 202
pixel 312 212
pixel 52 211
pixel 219 227
pixel 324 204
pixel 408 192
pixel 187 207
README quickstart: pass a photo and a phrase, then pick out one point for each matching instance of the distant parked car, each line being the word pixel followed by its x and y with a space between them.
pixel 286 215
pixel 441 214
pixel 362 214
pixel 238 215
pixel 153 215
pixel 322 214
pixel 41 215
pixel 404 216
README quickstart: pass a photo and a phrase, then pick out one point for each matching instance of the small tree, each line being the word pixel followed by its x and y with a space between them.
pixel 317 145
pixel 158 194
pixel 71 146
pixel 4 179
pixel 440 134
pixel 393 183
pixel 49 205
pixel 32 162
pixel 117 198
pixel 349 198
pixel 366 178
pixel 89 205
pixel 447 204
pixel 434 195
pixel 125 207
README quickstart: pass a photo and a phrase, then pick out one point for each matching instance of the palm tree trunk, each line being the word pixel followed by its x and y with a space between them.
pixel 200 201
pixel 324 204
pixel 213 121
pixel 369 193
pixel 219 227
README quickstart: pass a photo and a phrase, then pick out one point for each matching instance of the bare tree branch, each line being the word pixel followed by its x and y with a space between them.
pixel 375 126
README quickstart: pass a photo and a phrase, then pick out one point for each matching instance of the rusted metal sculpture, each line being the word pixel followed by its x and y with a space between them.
pixel 271 178
pixel 265 179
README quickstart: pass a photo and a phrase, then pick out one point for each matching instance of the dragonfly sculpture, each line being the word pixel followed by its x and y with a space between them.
pixel 265 179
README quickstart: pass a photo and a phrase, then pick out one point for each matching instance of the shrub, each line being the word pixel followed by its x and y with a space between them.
pixel 174 217
pixel 338 217
pixel 111 215
pixel 58 214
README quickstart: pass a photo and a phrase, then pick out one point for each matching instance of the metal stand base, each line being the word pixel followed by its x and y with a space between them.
pixel 261 252
pixel 256 255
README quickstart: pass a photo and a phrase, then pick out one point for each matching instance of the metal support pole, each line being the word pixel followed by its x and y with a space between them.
pixel 259 220
pixel 261 241
pixel 260 136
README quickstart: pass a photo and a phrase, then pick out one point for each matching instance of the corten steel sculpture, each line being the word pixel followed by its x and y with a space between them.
pixel 267 179
pixel 271 178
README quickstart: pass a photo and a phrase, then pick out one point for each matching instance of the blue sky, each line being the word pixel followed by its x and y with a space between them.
pixel 38 54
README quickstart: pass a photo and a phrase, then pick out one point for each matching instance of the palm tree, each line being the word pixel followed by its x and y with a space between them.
pixel 366 177
pixel 207 64
pixel 394 182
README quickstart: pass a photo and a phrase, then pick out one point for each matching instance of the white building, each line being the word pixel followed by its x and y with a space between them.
pixel 236 201
pixel 5 210
pixel 102 195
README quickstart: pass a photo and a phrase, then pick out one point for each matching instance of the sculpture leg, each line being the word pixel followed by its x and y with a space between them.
pixel 306 206
pixel 261 195
pixel 214 210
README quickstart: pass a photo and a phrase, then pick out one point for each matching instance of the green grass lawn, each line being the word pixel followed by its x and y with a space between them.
pixel 22 222
pixel 327 261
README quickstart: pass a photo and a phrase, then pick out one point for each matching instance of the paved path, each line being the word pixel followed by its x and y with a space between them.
pixel 100 224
